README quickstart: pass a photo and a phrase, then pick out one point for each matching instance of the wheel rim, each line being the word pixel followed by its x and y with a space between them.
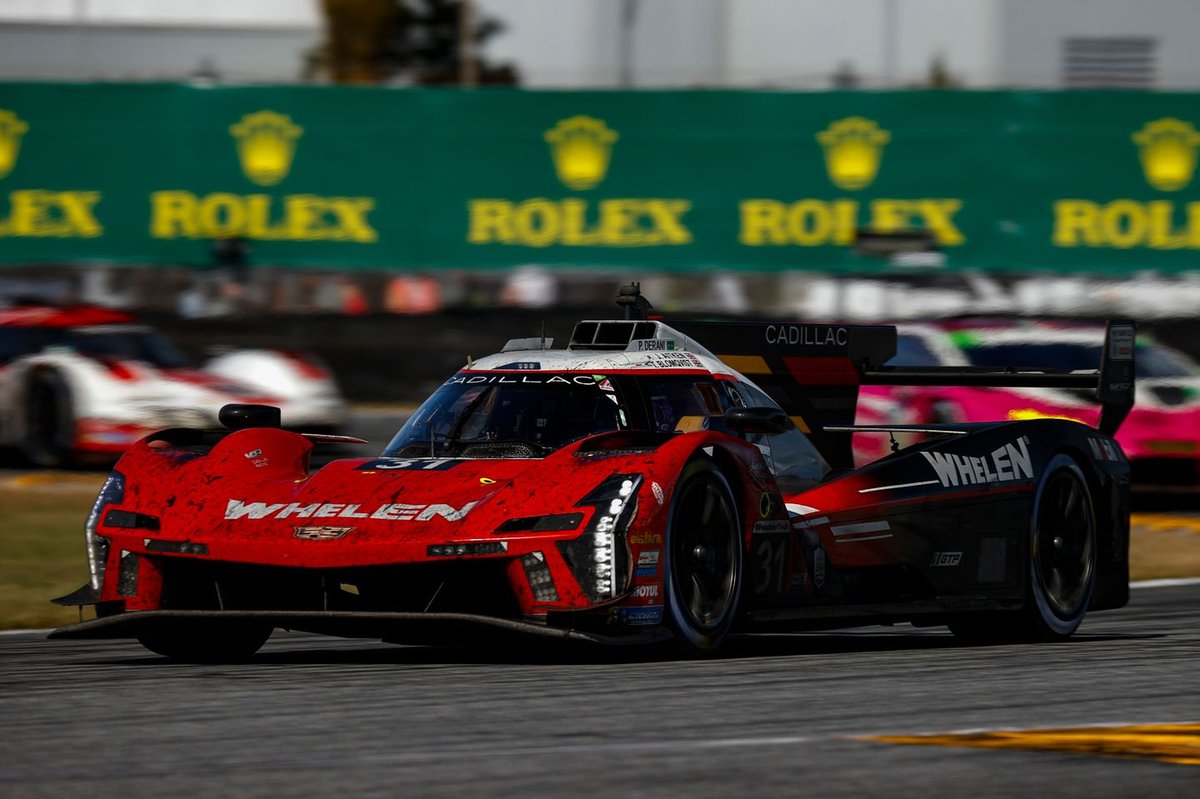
pixel 703 553
pixel 1063 556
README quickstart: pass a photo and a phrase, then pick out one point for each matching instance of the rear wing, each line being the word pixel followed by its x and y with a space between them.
pixel 814 372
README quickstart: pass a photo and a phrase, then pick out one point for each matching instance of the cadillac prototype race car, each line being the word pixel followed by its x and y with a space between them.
pixel 637 486
pixel 85 382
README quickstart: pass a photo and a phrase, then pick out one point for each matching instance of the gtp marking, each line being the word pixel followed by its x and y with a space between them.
pixel 1004 464
pixel 945 559
pixel 239 508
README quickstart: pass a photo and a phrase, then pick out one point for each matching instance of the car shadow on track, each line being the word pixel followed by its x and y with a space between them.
pixel 286 650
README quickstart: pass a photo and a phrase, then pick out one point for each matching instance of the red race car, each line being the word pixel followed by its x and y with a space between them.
pixel 636 486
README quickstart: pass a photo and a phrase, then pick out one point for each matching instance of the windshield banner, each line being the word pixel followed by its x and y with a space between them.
pixel 413 178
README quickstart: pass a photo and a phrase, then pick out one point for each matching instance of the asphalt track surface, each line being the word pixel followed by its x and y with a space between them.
pixel 773 716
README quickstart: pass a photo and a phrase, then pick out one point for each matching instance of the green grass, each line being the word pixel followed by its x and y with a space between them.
pixel 42 554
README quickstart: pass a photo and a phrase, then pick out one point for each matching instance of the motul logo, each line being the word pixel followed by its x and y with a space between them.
pixel 241 509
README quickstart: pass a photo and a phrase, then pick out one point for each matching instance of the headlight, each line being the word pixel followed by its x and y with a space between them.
pixel 599 557
pixel 112 491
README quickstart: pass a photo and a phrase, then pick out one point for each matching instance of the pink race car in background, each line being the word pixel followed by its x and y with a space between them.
pixel 85 382
pixel 1160 437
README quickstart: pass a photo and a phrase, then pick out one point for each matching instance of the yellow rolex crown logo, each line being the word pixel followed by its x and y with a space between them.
pixel 580 147
pixel 853 149
pixel 1167 148
pixel 266 142
pixel 11 131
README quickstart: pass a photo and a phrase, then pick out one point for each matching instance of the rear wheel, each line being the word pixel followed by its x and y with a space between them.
pixel 49 435
pixel 1062 563
pixel 1062 556
pixel 218 643
pixel 704 559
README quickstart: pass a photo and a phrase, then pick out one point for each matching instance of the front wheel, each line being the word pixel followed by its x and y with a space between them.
pixel 217 643
pixel 704 559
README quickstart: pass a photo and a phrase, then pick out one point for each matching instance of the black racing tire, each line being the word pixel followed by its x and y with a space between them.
pixel 1062 552
pixel 48 439
pixel 215 643
pixel 703 564
pixel 1061 576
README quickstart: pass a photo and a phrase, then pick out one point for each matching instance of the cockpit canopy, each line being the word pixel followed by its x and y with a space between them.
pixel 515 414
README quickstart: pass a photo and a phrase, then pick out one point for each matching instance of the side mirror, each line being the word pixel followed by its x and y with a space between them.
pixel 239 417
pixel 765 420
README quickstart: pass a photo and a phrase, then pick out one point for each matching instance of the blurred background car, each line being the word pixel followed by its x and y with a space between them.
pixel 85 382
pixel 1161 436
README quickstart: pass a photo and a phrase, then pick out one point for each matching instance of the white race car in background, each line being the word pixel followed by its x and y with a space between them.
pixel 83 383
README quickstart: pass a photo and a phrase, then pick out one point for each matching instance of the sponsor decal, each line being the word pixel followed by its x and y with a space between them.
pixel 522 366
pixel 764 528
pixel 652 344
pixel 807 335
pixel 819 567
pixel 1120 343
pixel 562 380
pixel 321 533
pixel 645 591
pixel 241 509
pixel 671 360
pixel 409 464
pixel 637 617
pixel 647 563
pixel 255 456
pixel 945 559
pixel 1004 464
pixel 765 505
pixel 640 539
pixel 486 481
pixel 659 495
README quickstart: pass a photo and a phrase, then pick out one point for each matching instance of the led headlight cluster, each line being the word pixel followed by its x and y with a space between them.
pixel 599 557
pixel 541 582
pixel 113 491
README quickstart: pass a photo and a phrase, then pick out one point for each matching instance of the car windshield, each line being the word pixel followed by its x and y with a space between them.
pixel 1150 361
pixel 127 344
pixel 507 415
pixel 123 342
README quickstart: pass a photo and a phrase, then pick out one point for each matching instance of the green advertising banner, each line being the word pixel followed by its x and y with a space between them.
pixel 1100 182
